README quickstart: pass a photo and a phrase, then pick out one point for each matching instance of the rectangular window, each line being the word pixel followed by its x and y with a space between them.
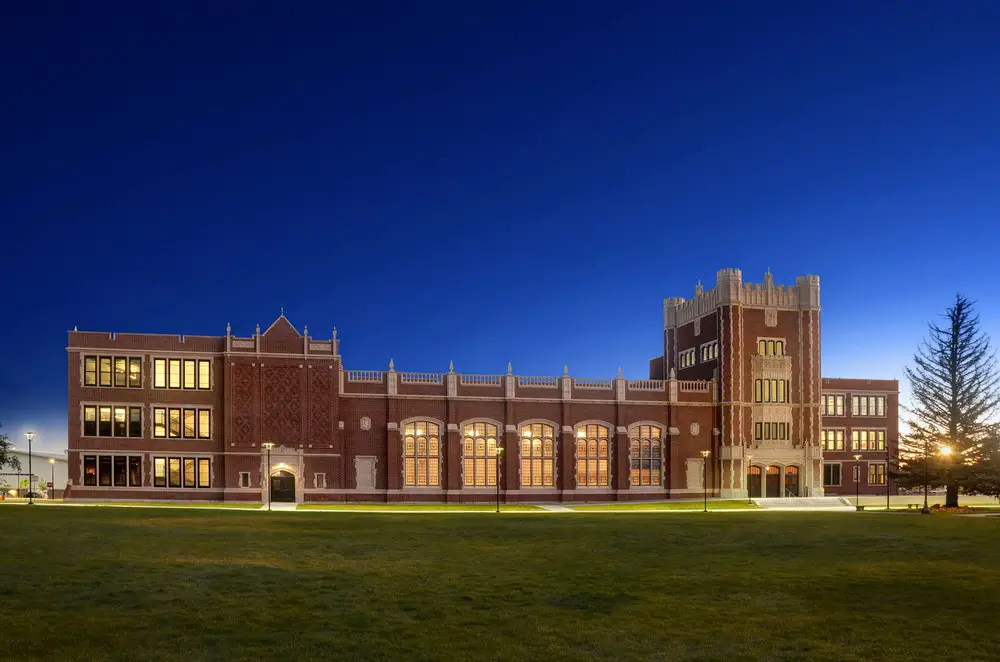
pixel 104 470
pixel 105 371
pixel 135 421
pixel 781 390
pixel 90 421
pixel 159 373
pixel 831 473
pixel 876 474
pixel 90 371
pixel 121 372
pixel 135 471
pixel 159 472
pixel 189 424
pixel 175 373
pixel 321 481
pixel 204 374
pixel 190 472
pixel 121 422
pixel 244 479
pixel 204 424
pixel 758 391
pixel 121 471
pixel 135 373
pixel 833 440
pixel 174 431
pixel 189 373
pixel 104 421
pixel 833 405
pixel 90 470
pixel 174 465
pixel 159 422
pixel 204 475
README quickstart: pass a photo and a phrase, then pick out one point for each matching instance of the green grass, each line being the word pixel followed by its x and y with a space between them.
pixel 740 504
pixel 164 584
pixel 416 506
pixel 246 505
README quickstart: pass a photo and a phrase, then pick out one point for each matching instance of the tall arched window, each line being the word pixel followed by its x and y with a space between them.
pixel 421 454
pixel 538 455
pixel 646 450
pixel 479 454
pixel 592 456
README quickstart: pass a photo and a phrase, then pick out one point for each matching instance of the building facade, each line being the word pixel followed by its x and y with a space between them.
pixel 735 403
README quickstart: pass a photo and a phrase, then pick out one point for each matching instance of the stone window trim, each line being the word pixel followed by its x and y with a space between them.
pixel 97 405
pixel 97 355
pixel 834 394
pixel 873 399
pixel 612 436
pixel 442 436
pixel 182 356
pixel 557 433
pixel 182 407
pixel 840 463
pixel 849 438
pixel 772 350
pixel 633 432
pixel 835 428
pixel 244 480
pixel 319 480
pixel 500 434
pixel 869 472
pixel 709 351
pixel 143 457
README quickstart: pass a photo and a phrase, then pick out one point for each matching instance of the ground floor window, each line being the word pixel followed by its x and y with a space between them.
pixel 244 479
pixel 592 456
pixel 646 460
pixel 876 474
pixel 112 471
pixel 321 481
pixel 479 455
pixel 538 455
pixel 421 454
pixel 831 473
pixel 191 472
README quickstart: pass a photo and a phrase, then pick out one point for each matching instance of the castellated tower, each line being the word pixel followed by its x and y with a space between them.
pixel 761 342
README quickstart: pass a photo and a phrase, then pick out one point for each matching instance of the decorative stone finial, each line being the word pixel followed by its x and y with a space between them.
pixel 565 370
pixel 619 372
pixel 334 333
pixel 258 329
pixel 451 366
pixel 392 366
pixel 510 368
pixel 229 329
pixel 698 289
pixel 282 309
pixel 768 279
pixel 673 373
pixel 305 330
pixel 74 328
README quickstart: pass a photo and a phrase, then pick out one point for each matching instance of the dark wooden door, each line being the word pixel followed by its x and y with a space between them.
pixel 773 482
pixel 753 481
pixel 792 481
pixel 283 487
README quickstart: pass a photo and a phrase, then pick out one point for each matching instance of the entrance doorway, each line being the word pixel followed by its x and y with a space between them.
pixel 791 481
pixel 283 487
pixel 753 482
pixel 773 482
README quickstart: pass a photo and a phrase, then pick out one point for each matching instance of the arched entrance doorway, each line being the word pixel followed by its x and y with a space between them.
pixel 753 482
pixel 791 481
pixel 283 487
pixel 773 482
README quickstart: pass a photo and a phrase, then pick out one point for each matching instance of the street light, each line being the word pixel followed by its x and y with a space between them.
pixel 268 445
pixel 857 480
pixel 749 466
pixel 52 465
pixel 705 455
pixel 499 452
pixel 31 438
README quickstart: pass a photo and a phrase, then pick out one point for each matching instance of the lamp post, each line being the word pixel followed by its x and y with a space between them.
pixel 704 481
pixel 888 457
pixel 857 481
pixel 749 466
pixel 52 465
pixel 268 445
pixel 31 438
pixel 499 452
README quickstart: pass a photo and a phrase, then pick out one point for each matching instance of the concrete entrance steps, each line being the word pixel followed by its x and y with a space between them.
pixel 805 503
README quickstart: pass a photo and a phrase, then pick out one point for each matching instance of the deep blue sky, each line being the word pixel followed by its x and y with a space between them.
pixel 488 182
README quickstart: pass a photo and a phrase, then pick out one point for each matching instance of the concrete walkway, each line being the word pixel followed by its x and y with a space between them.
pixel 555 508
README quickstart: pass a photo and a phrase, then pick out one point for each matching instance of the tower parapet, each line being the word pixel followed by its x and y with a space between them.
pixel 670 308
pixel 727 283
pixel 808 287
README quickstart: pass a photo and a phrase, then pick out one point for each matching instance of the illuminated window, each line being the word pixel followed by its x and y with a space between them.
pixel 159 422
pixel 135 373
pixel 104 421
pixel 204 475
pixel 710 351
pixel 833 405
pixel 160 472
pixel 592 456
pixel 159 373
pixel 646 456
pixel 868 405
pixel 538 455
pixel 105 371
pixel 90 371
pixel 833 440
pixel 770 390
pixel 479 456
pixel 174 430
pixel 204 423
pixel 204 374
pixel 121 423
pixel 771 347
pixel 90 421
pixel 772 431
pixel 876 474
pixel 189 424
pixel 189 373
pixel 831 473
pixel 421 454
pixel 90 471
pixel 175 373
pixel 174 464
pixel 190 472
pixel 868 440
pixel 121 372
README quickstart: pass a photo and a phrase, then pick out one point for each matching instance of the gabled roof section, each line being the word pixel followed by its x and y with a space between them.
pixel 281 326
pixel 282 338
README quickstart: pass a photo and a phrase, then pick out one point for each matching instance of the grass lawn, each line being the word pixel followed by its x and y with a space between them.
pixel 164 584
pixel 415 506
pixel 156 504
pixel 740 504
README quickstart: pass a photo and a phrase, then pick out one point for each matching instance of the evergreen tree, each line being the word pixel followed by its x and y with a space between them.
pixel 956 391
pixel 6 459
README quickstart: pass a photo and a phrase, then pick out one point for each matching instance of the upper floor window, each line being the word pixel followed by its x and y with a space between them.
pixel 538 455
pixel 646 456
pixel 710 351
pixel 116 371
pixel 479 455
pixel 182 373
pixel 771 431
pixel 771 347
pixel 182 423
pixel 867 405
pixel 833 440
pixel 771 390
pixel 421 454
pixel 868 440
pixel 112 421
pixel 833 405
pixel 687 358
pixel 592 456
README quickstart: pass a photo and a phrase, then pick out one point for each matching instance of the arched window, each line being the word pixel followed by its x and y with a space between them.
pixel 592 456
pixel 479 454
pixel 421 458
pixel 538 455
pixel 646 451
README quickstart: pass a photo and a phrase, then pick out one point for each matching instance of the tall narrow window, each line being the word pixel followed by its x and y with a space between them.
pixel 135 373
pixel 645 448
pixel 174 430
pixel 159 422
pixel 105 371
pixel 204 423
pixel 159 472
pixel 121 471
pixel 190 472
pixel 876 474
pixel 204 374
pixel 592 456
pixel 159 373
pixel 831 473
pixel 90 470
pixel 189 373
pixel 135 471
pixel 762 348
pixel 781 390
pixel 421 457
pixel 479 455
pixel 121 422
pixel 121 372
pixel 135 421
pixel 90 421
pixel 779 348
pixel 189 423
pixel 104 421
pixel 204 476
pixel 175 373
pixel 90 371
pixel 104 470
pixel 538 455
pixel 175 471
pixel 758 390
